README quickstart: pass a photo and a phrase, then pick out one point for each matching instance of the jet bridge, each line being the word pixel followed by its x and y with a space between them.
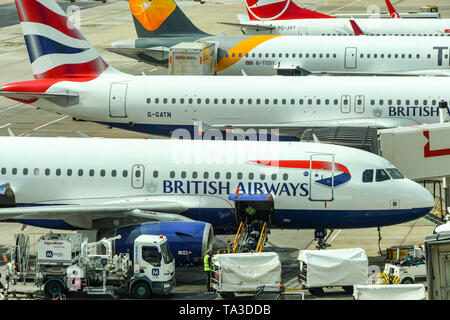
pixel 422 153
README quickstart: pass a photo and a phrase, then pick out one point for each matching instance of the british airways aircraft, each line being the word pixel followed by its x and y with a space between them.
pixel 286 18
pixel 72 78
pixel 158 30
pixel 185 188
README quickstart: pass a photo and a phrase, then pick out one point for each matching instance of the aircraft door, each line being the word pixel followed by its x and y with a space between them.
pixel 359 104
pixel 321 177
pixel 137 176
pixel 117 100
pixel 346 104
pixel 350 58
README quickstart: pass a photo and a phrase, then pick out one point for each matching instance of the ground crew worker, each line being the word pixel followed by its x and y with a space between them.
pixel 207 269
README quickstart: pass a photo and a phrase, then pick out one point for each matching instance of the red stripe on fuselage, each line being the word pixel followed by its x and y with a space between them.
pixel 303 164
pixel 33 11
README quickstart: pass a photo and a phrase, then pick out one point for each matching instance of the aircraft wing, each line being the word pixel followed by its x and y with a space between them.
pixel 377 122
pixel 155 55
pixel 87 211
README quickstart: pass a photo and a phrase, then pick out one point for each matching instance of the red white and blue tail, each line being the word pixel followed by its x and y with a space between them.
pixel 279 10
pixel 56 48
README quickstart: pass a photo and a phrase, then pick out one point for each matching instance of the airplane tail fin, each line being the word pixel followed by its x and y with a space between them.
pixel 279 10
pixel 356 28
pixel 161 18
pixel 56 48
pixel 392 12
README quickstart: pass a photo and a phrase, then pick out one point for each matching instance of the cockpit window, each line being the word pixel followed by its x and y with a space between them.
pixel 394 173
pixel 381 175
pixel 367 175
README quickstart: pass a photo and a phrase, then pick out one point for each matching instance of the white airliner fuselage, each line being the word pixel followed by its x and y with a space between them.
pixel 341 26
pixel 338 55
pixel 78 180
pixel 162 104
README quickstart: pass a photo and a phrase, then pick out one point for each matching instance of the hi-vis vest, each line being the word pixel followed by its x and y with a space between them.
pixel 206 266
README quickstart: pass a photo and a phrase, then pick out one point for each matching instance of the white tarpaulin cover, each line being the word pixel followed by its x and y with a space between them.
pixel 339 267
pixel 248 271
pixel 389 292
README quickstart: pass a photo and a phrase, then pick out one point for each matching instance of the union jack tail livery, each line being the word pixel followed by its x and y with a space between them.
pixel 56 48
pixel 279 10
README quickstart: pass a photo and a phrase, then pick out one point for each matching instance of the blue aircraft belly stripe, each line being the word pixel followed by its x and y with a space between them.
pixel 223 219
pixel 168 129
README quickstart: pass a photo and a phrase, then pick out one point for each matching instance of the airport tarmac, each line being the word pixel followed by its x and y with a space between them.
pixel 104 23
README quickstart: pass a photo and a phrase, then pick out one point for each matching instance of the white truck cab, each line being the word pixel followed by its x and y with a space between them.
pixel 153 265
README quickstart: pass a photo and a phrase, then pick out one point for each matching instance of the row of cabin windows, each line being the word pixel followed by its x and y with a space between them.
pixel 395 56
pixel 67 172
pixel 216 175
pixel 328 55
pixel 284 101
pixel 124 173
pixel 280 55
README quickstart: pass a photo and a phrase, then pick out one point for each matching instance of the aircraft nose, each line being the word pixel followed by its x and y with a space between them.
pixel 420 197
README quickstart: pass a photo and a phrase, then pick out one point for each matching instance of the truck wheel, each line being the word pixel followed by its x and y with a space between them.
pixel 348 289
pixel 141 290
pixel 53 289
pixel 407 281
pixel 318 292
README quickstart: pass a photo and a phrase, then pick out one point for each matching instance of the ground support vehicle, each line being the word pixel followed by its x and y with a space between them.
pixel 61 263
pixel 249 273
pixel 319 269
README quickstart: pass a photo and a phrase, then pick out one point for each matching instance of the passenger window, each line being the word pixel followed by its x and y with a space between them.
pixel 155 174
pixel 394 173
pixel 274 176
pixel 47 172
pixel 285 177
pixel 194 175
pixel 102 173
pixel 205 175
pixel 172 174
pixel 80 172
pixel 381 175
pixel 262 176
pixel 228 175
pixel 91 173
pixel 69 172
pixel 125 173
pixel 239 175
pixel 251 176
pixel 217 175
pixel 25 171
pixel 36 171
pixel 367 175
pixel 14 171
pixel 113 173
pixel 183 174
